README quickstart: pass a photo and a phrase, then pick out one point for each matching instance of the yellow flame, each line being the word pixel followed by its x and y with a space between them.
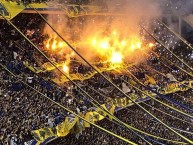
pixel 65 68
pixel 116 58
pixel 104 45
pixel 151 45
pixel 61 44
pixel 109 48
pixel 123 43
pixel 138 44
pixel 72 53
pixel 132 47
pixel 114 32
pixel 54 44
pixel 47 45
pixel 94 42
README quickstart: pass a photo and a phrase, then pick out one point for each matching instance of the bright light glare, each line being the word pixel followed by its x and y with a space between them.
pixel 47 45
pixel 139 45
pixel 132 47
pixel 54 44
pixel 104 45
pixel 151 45
pixel 116 57
pixel 65 68
pixel 61 44
pixel 123 43
pixel 94 42
pixel 115 32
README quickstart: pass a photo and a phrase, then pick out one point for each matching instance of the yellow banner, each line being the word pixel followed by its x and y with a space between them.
pixel 10 9
pixel 62 129
pixel 88 117
pixel 70 122
pixel 43 133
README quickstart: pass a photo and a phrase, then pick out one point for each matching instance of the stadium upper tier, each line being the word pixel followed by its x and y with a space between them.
pixel 11 9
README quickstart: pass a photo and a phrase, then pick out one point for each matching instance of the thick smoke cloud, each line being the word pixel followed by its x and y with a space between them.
pixel 130 14
pixel 178 7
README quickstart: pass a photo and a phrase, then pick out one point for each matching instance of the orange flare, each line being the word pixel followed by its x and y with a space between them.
pixel 115 32
pixel 61 44
pixel 123 43
pixel 116 57
pixel 151 45
pixel 65 68
pixel 47 45
pixel 94 42
pixel 139 45
pixel 104 45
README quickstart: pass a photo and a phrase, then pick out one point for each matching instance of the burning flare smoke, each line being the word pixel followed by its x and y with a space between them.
pixel 105 39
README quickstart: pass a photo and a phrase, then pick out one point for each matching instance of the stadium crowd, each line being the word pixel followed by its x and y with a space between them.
pixel 23 110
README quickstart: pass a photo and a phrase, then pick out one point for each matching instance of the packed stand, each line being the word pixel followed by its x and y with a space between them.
pixel 23 110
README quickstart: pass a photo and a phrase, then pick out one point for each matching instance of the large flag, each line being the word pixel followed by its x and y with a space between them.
pixel 62 129
pixel 101 111
pixel 97 116
pixel 10 9
pixel 78 128
pixel 112 110
pixel 44 133
pixel 70 122
pixel 89 117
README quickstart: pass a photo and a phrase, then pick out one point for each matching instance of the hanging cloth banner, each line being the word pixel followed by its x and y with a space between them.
pixel 10 9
